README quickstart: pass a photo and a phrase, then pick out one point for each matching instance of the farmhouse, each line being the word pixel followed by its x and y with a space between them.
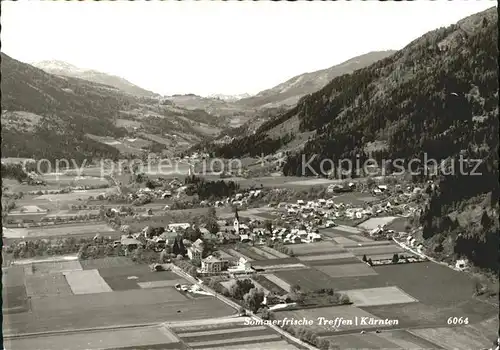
pixel 129 242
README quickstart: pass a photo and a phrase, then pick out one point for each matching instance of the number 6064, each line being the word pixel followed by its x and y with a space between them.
pixel 458 320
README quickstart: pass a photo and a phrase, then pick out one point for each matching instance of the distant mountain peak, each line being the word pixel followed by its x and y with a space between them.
pixel 229 98
pixel 69 70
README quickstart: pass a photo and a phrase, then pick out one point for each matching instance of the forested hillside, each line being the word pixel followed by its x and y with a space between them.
pixel 45 116
pixel 289 92
pixel 439 97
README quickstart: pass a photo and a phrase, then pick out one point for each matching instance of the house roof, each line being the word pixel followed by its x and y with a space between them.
pixel 198 244
pixel 125 240
pixel 211 259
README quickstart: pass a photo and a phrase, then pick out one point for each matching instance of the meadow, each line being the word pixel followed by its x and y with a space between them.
pixel 228 336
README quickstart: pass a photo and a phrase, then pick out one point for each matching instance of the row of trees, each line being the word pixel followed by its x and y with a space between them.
pixel 210 189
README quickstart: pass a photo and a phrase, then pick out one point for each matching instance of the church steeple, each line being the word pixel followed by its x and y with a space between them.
pixel 236 221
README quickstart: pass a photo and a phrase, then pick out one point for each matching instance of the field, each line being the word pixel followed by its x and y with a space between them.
pixel 108 309
pixel 59 230
pixel 14 295
pixel 52 267
pixel 278 282
pixel 373 223
pixel 86 282
pixel 308 279
pixel 457 338
pixel 117 261
pixel 390 339
pixel 376 250
pixel 333 262
pixel 378 296
pixel 233 335
pixel 315 248
pixel 347 270
pixel 341 230
pixel 105 339
pixel 137 277
pixel 338 256
pixel 254 253
pixel 269 285
pixel 346 241
pixel 107 296
pixel 273 252
pixel 75 196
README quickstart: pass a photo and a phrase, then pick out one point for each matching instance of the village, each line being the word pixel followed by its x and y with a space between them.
pixel 262 247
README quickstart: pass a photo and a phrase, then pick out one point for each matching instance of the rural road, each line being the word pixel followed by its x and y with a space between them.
pixel 237 307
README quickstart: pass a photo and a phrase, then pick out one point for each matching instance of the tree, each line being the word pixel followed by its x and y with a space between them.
pixel 269 226
pixel 267 314
pixel 486 221
pixel 395 258
pixel 253 299
pixel 344 299
pixel 240 288
pixel 364 258
pixel 295 288
pixel 370 262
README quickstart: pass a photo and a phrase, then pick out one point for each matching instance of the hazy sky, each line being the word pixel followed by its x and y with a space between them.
pixel 216 47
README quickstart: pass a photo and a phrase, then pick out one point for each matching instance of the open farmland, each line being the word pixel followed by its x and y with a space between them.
pixel 46 286
pixel 430 283
pixel 337 256
pixel 273 252
pixel 75 196
pixel 156 337
pixel 115 261
pixel 405 340
pixel 373 223
pixel 67 230
pixel 264 253
pixel 341 230
pixel 108 309
pixel 378 341
pixel 347 270
pixel 137 277
pixel 278 281
pixel 86 282
pixel 253 253
pixel 234 335
pixel 270 285
pixel 345 241
pixel 316 248
pixel 308 279
pixel 377 250
pixel 52 267
pixel 378 296
pixel 457 338
pixel 275 262
pixel 14 295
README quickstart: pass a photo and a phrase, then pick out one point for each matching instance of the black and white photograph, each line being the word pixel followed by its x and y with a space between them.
pixel 250 175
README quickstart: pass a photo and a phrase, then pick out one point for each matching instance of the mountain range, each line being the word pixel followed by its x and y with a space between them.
pixel 69 70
